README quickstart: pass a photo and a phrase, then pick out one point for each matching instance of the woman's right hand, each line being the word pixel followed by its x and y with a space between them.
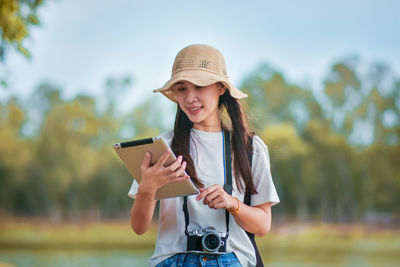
pixel 154 177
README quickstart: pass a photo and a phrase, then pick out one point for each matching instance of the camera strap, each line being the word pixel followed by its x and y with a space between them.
pixel 227 160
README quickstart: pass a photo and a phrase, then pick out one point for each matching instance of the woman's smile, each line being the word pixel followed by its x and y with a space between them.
pixel 194 110
pixel 200 104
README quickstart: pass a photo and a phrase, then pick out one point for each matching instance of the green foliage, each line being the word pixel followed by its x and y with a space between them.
pixel 14 155
pixel 68 164
pixel 370 99
pixel 341 80
pixel 320 164
pixel 146 119
pixel 15 18
pixel 288 155
pixel 273 100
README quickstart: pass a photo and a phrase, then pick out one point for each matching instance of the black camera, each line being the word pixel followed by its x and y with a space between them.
pixel 206 240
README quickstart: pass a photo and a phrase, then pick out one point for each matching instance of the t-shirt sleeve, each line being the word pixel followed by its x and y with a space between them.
pixel 133 190
pixel 262 175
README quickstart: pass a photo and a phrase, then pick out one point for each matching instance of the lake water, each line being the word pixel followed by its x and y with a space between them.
pixel 106 258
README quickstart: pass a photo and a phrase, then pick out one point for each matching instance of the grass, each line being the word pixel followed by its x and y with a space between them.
pixel 331 245
pixel 24 234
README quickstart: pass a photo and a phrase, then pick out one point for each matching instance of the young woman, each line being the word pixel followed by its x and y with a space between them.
pixel 190 236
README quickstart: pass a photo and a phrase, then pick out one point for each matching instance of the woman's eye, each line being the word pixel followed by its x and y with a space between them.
pixel 181 89
pixel 199 87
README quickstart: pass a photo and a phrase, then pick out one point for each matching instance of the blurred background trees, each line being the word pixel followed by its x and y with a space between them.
pixel 334 152
pixel 16 18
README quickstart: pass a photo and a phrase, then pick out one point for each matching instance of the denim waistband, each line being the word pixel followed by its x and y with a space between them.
pixel 191 259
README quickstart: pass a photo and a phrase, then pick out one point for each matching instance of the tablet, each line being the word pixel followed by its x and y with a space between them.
pixel 132 154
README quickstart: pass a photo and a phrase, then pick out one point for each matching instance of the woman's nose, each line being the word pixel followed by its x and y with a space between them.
pixel 191 96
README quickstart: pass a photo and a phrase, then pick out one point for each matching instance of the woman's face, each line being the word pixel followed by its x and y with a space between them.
pixel 200 104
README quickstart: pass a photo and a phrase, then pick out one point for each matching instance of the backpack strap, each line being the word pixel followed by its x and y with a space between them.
pixel 247 201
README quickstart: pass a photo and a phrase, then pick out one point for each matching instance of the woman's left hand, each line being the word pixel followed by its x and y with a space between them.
pixel 255 219
pixel 216 197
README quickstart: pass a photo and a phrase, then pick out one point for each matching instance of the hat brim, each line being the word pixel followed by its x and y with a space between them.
pixel 200 78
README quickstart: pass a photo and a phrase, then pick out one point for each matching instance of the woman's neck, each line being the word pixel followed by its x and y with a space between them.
pixel 208 128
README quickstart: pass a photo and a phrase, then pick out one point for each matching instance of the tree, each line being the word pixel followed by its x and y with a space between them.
pixel 13 172
pixel 364 106
pixel 289 155
pixel 272 100
pixel 16 17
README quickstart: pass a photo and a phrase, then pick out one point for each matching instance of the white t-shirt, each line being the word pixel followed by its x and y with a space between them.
pixel 206 150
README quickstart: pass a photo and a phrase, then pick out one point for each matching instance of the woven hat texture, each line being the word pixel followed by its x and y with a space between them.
pixel 201 65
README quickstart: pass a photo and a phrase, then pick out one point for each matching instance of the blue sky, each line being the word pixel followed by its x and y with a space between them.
pixel 81 43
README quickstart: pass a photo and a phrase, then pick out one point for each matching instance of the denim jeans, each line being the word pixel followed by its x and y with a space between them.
pixel 194 260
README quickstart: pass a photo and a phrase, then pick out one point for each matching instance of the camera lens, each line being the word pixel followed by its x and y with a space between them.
pixel 211 242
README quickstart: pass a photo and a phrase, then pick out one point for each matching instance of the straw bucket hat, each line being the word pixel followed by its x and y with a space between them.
pixel 201 65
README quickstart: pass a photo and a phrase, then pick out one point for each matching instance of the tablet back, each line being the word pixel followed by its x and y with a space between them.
pixel 132 154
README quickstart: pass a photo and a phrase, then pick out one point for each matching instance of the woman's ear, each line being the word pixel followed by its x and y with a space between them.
pixel 222 88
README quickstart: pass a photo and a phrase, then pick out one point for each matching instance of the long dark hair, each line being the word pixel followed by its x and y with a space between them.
pixel 240 144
